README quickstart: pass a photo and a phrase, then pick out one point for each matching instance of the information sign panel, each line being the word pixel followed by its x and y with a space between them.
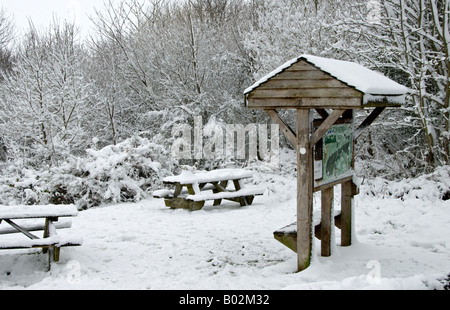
pixel 337 152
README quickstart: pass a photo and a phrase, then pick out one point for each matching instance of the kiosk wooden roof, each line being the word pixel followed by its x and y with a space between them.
pixel 315 82
pixel 334 89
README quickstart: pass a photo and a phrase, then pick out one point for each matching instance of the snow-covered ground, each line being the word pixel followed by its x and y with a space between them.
pixel 402 243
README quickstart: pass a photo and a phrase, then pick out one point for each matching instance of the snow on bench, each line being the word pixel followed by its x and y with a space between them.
pixel 169 193
pixel 248 191
pixel 22 212
pixel 49 213
pixel 288 235
pixel 53 241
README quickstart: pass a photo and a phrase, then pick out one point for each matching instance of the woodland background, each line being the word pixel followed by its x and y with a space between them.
pixel 89 120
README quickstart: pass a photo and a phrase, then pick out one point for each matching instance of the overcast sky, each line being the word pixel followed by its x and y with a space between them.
pixel 41 11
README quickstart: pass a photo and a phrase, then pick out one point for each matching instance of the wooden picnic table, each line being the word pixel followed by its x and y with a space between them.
pixel 192 190
pixel 25 219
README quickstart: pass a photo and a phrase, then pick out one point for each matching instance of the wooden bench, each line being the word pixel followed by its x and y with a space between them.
pixel 288 234
pixel 38 218
pixel 193 190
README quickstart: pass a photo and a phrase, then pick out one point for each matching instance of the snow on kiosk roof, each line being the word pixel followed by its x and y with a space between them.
pixel 312 82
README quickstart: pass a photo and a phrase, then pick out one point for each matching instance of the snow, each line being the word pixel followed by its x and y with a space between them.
pixel 248 191
pixel 402 243
pixel 374 85
pixel 272 74
pixel 353 74
pixel 188 177
pixel 28 243
pixel 13 212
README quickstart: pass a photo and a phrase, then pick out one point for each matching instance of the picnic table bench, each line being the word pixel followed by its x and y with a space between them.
pixel 38 218
pixel 193 190
pixel 288 234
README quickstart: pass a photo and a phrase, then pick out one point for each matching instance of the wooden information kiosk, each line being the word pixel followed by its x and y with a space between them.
pixel 324 93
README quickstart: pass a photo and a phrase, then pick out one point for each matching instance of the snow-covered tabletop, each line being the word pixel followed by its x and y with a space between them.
pixel 188 177
pixel 22 212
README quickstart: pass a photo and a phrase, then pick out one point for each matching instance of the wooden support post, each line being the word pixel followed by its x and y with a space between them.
pixel 326 219
pixel 242 200
pixel 46 234
pixel 178 189
pixel 348 188
pixel 346 213
pixel 304 190
pixel 219 187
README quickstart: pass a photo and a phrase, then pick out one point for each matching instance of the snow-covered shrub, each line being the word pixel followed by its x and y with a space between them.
pixel 127 171
pixel 430 187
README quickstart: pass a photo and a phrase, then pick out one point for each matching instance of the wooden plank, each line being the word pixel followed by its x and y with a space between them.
pixel 325 126
pixel 54 252
pixel 34 227
pixel 181 203
pixel 304 190
pixel 30 212
pixel 190 189
pixel 322 186
pixel 305 93
pixel 44 244
pixel 207 177
pixel 288 234
pixel 367 122
pixel 346 213
pixel 20 229
pixel 301 75
pixel 247 191
pixel 325 230
pixel 285 129
pixel 323 113
pixel 307 103
pixel 302 66
pixel 178 189
pixel 339 121
pixel 299 84
pixel 219 187
pixel 241 200
pixel 380 104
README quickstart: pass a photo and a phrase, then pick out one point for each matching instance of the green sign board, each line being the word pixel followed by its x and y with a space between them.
pixel 337 152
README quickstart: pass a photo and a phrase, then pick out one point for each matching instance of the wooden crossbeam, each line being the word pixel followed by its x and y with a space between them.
pixel 23 231
pixel 329 121
pixel 367 122
pixel 34 227
pixel 285 129
pixel 325 126
pixel 221 187
pixel 323 113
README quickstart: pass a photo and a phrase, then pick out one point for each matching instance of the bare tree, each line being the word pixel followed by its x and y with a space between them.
pixel 44 96
pixel 409 41
pixel 6 36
